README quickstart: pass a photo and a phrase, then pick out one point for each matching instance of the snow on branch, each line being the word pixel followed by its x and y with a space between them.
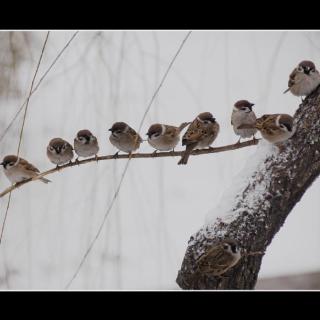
pixel 258 203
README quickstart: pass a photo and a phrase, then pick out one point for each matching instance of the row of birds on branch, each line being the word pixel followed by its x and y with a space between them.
pixel 201 133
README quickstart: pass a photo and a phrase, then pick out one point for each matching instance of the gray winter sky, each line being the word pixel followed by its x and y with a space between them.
pixel 108 76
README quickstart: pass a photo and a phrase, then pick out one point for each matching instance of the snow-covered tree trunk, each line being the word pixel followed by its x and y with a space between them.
pixel 260 207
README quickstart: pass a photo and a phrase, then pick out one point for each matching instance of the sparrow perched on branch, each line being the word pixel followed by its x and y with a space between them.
pixel 200 134
pixel 220 258
pixel 59 151
pixel 242 114
pixel 86 144
pixel 124 138
pixel 163 137
pixel 275 128
pixel 18 169
pixel 304 79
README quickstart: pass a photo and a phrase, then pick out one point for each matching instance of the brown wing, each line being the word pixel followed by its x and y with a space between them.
pixel 292 76
pixel 215 261
pixel 134 134
pixel 171 131
pixel 194 133
pixel 28 166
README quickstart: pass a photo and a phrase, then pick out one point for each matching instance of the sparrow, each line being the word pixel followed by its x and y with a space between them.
pixel 59 151
pixel 275 128
pixel 18 169
pixel 242 114
pixel 163 137
pixel 201 133
pixel 303 79
pixel 124 138
pixel 220 258
pixel 85 144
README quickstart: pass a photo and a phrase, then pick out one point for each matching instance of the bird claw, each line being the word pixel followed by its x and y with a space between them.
pixel 115 156
pixel 77 161
pixel 96 157
pixel 154 153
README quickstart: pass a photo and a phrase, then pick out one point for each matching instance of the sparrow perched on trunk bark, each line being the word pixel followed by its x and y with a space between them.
pixel 59 151
pixel 163 137
pixel 18 169
pixel 304 79
pixel 200 134
pixel 86 144
pixel 242 114
pixel 124 138
pixel 220 258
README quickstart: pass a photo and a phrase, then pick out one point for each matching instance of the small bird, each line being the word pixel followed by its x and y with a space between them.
pixel 220 258
pixel 304 79
pixel 163 137
pixel 18 169
pixel 201 133
pixel 59 151
pixel 124 138
pixel 275 128
pixel 85 144
pixel 242 114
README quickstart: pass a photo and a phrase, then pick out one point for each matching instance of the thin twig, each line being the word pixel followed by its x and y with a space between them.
pixel 127 164
pixel 30 92
pixel 5 217
pixel 37 85
pixel 134 156
pixel 22 127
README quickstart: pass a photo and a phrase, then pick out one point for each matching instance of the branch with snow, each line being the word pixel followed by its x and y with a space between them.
pixel 133 156
pixel 257 205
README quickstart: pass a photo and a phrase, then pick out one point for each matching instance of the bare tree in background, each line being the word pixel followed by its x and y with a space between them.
pixel 262 207
pixel 15 49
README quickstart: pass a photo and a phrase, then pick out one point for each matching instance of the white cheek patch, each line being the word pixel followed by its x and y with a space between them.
pixel 277 120
pixel 163 129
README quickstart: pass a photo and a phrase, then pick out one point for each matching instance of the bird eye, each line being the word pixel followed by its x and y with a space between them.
pixel 300 69
pixel 225 247
pixel 51 148
pixel 156 135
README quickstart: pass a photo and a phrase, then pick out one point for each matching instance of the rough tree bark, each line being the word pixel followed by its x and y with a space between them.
pixel 261 208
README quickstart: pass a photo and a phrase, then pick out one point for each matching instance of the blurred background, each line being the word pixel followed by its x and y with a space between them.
pixel 108 76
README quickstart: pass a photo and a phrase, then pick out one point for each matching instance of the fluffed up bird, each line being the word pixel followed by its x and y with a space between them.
pixel 18 169
pixel 304 79
pixel 124 138
pixel 86 144
pixel 200 134
pixel 59 151
pixel 164 137
pixel 242 114
pixel 275 128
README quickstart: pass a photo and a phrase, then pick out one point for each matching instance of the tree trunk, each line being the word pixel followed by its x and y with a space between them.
pixel 262 207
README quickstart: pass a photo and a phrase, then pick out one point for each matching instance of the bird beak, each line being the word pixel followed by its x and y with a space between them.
pixel 1 163
pixel 110 130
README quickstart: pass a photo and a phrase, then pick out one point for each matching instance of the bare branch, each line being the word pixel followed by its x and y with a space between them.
pixel 133 156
